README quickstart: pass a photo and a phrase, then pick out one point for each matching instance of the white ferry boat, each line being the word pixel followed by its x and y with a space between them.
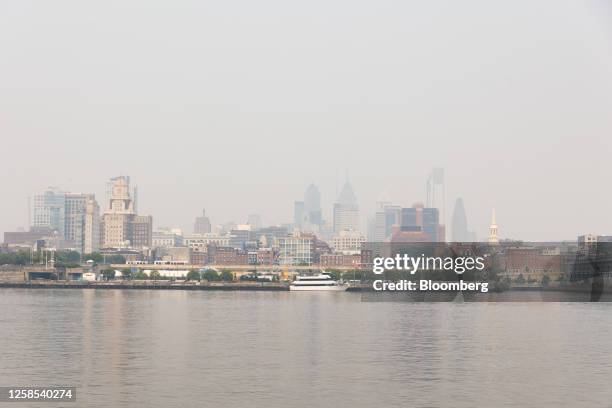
pixel 321 281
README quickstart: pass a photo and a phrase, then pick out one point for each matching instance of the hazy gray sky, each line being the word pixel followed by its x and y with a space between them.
pixel 236 106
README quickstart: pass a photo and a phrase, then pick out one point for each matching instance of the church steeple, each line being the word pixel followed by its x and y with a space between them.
pixel 493 239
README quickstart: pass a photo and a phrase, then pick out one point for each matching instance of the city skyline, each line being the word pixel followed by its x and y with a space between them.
pixel 305 203
pixel 239 118
pixel 327 211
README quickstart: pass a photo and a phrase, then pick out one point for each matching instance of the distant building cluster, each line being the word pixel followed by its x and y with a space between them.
pixel 72 221
pixel 63 220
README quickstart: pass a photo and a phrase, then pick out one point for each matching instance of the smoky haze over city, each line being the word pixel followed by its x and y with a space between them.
pixel 237 107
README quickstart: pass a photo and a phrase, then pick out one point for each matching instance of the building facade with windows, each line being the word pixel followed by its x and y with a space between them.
pixel 348 242
pixel 121 227
pixel 346 210
pixel 50 210
pixel 296 250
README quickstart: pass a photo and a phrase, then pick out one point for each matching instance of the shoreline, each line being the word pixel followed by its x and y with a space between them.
pixel 236 286
pixel 146 286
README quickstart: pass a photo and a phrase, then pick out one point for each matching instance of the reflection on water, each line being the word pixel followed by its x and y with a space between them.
pixel 284 349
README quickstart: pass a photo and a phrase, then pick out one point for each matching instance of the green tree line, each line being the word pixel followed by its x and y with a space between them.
pixel 67 259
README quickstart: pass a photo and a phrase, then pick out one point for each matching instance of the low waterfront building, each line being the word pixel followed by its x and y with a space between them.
pixel 297 250
pixel 175 254
pixel 198 256
pixel 129 254
pixel 226 256
pixel 340 260
pixel 532 263
pixel 266 256
pixel 203 240
pixel 28 237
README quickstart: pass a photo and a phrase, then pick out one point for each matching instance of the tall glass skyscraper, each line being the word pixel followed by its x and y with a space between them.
pixel 50 210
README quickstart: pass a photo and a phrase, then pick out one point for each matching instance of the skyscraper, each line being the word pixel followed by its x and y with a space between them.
pixel 74 216
pixel 431 224
pixel 346 210
pixel 459 223
pixel 436 191
pixel 419 223
pixel 307 215
pixel 82 221
pixel 377 226
pixel 202 224
pixel 50 210
pixel 119 214
pixel 121 227
pixel 393 217
pixel 312 205
pixel 142 231
pixel 298 214
pixel 436 198
pixel 91 238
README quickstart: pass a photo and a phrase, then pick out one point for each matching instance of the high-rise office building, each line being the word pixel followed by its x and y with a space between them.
pixel 202 224
pixel 307 214
pixel 385 219
pixel 436 191
pixel 142 231
pixel 50 210
pixel 74 216
pixel 459 223
pixel 298 214
pixel 377 228
pixel 346 210
pixel 393 217
pixel 121 226
pixel 91 238
pixel 431 224
pixel 419 223
pixel 376 225
pixel 82 222
pixel 118 218
pixel 312 205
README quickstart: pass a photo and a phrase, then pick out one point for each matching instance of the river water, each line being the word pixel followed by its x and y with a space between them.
pixel 132 348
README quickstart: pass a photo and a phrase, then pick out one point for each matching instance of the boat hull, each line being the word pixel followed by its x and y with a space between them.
pixel 335 288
